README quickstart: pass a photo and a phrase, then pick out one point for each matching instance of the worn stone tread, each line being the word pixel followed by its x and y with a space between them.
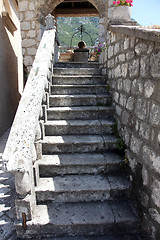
pixel 64 127
pixel 67 139
pixel 79 89
pixel 84 108
pixel 76 64
pixel 78 143
pixel 107 237
pixel 77 71
pixel 80 100
pixel 72 183
pixel 80 159
pixel 78 79
pixel 62 164
pixel 85 112
pixel 79 219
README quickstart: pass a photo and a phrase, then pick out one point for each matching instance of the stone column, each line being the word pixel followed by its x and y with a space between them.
pixel 102 30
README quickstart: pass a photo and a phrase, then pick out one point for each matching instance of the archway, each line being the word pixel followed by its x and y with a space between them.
pixel 32 15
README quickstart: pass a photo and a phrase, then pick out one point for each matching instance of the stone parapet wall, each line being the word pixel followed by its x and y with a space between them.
pixel 132 64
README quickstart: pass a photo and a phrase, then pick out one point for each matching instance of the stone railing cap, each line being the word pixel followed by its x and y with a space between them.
pixel 137 31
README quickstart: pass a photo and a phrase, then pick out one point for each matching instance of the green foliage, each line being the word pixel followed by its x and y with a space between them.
pixel 125 162
pixel 108 87
pixel 119 143
pixel 115 129
pixel 67 26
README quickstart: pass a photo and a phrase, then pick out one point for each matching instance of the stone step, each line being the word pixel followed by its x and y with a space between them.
pixel 80 219
pixel 78 127
pixel 80 100
pixel 78 144
pixel 79 89
pixel 62 164
pixel 80 188
pixel 77 71
pixel 80 113
pixel 76 65
pixel 111 236
pixel 78 79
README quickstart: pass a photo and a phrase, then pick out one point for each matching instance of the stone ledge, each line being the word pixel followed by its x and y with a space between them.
pixel 136 31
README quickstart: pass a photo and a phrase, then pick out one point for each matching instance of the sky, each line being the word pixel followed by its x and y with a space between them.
pixel 146 12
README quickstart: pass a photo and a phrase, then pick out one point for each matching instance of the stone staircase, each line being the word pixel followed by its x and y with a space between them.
pixel 82 194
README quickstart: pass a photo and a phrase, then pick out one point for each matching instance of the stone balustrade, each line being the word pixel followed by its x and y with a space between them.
pixel 132 65
pixel 22 148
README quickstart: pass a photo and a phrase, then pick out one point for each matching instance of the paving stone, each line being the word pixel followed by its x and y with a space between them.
pixel 7 197
pixel 6 227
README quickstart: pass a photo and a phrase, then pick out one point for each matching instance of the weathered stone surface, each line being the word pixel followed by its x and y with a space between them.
pixel 125 117
pixel 155 114
pixel 156 192
pixel 25 26
pixel 31 51
pixel 141 48
pixel 155 215
pixel 144 131
pixel 116 48
pixel 135 145
pixel 126 43
pixel 29 15
pixel 140 125
pixel 110 51
pixel 130 55
pixel 155 65
pixel 118 110
pixel 117 71
pixel 134 68
pixel 145 176
pixel 130 103
pixel 23 6
pixel 144 66
pixel 137 86
pixel 141 109
pixel 124 70
pixel 31 33
pixel 31 6
pixel 28 60
pixel 149 88
pixel 122 100
pixel 122 57
pixel 151 159
pixel 28 43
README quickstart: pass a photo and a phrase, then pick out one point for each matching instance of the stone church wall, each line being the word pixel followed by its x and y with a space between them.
pixel 132 64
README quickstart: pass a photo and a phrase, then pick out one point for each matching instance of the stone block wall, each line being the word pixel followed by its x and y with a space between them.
pixel 30 30
pixel 132 65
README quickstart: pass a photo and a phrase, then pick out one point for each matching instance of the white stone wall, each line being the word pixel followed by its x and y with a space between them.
pixel 132 64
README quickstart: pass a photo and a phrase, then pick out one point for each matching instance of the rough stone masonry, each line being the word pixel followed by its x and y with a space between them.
pixel 132 64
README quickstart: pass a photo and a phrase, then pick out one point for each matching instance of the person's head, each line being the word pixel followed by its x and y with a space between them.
pixel 81 44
